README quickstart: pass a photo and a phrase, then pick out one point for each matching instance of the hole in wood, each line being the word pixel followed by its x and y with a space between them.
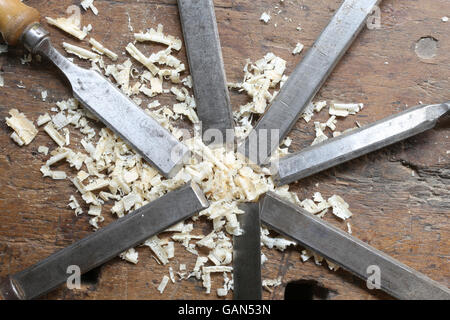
pixel 91 278
pixel 305 290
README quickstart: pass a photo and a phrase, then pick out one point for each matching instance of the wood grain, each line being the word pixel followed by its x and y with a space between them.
pixel 402 214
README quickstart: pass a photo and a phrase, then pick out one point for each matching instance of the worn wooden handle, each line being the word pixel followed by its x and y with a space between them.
pixel 15 17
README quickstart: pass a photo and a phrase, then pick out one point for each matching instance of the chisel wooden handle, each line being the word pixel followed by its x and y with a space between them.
pixel 15 17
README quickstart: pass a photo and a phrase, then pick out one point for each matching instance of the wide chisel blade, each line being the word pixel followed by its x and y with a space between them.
pixel 106 243
pixel 204 54
pixel 358 142
pixel 247 255
pixel 306 80
pixel 118 112
pixel 351 254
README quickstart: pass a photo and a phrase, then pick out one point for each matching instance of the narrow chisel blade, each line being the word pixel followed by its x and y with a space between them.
pixel 247 255
pixel 351 254
pixel 106 243
pixel 118 112
pixel 358 142
pixel 204 53
pixel 306 80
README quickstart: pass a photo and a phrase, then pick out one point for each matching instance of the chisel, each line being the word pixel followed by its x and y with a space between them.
pixel 20 23
pixel 247 255
pixel 351 254
pixel 306 80
pixel 105 244
pixel 204 54
pixel 358 142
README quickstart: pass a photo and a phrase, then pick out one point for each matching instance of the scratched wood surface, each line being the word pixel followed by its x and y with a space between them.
pixel 400 196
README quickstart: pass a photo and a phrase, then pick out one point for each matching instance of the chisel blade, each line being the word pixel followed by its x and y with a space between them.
pixel 106 243
pixel 247 255
pixel 357 142
pixel 118 112
pixel 204 54
pixel 351 254
pixel 306 80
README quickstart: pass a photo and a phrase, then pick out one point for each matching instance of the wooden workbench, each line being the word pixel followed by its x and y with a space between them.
pixel 400 196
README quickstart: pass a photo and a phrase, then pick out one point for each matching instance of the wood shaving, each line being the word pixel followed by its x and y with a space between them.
pixel 95 221
pixel 154 104
pixel 260 77
pixel 265 17
pixel 278 243
pixel 60 120
pixel 331 123
pixel 43 150
pixel 100 49
pixel 74 205
pixel 171 275
pixel 163 284
pixel 95 210
pixel 154 244
pixel 332 266
pixel 159 37
pixel 80 52
pixel 270 283
pixel 55 135
pixel 89 4
pixel 340 207
pixel 24 129
pixel 44 95
pixel 298 49
pixel 131 255
pixel 69 26
pixel 55 175
pixel 139 56
pixel 121 74
pixel 320 135
pixel 345 109
pixel 27 58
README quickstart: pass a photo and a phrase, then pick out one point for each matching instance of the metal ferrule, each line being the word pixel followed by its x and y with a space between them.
pixel 33 36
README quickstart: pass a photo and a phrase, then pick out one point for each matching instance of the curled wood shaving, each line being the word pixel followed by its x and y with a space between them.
pixel 80 52
pixel 75 205
pixel 345 109
pixel 89 4
pixel 24 129
pixel 99 48
pixel 159 37
pixel 131 255
pixel 340 207
pixel 139 56
pixel 69 26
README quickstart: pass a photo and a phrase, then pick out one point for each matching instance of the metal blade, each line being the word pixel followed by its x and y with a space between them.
pixel 247 255
pixel 358 142
pixel 207 69
pixel 114 109
pixel 348 252
pixel 306 80
pixel 105 244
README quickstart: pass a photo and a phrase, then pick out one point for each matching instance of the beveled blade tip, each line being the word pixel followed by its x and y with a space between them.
pixel 200 195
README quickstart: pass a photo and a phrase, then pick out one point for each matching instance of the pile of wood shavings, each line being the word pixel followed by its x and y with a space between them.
pixel 108 171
